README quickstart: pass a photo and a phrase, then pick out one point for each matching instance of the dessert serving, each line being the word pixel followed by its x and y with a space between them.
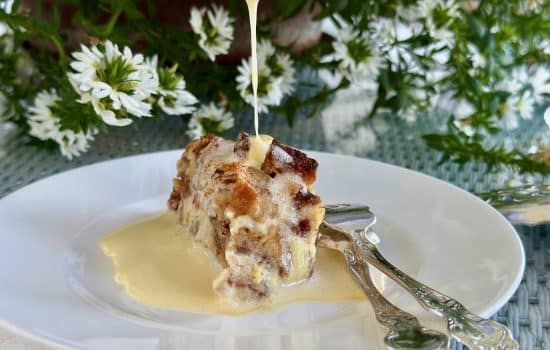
pixel 250 204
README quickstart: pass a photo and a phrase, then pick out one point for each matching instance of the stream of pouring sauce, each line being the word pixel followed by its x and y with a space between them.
pixel 253 15
pixel 157 264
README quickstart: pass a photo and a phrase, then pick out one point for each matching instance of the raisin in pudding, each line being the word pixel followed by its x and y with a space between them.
pixel 250 204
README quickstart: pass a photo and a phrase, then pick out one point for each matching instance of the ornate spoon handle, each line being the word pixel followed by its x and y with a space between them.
pixel 470 329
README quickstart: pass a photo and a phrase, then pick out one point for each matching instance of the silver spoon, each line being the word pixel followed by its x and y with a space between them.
pixel 404 330
pixel 468 328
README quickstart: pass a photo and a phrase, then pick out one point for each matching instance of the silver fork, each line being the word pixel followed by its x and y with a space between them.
pixel 404 330
pixel 468 328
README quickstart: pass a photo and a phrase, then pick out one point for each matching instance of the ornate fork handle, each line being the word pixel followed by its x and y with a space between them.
pixel 386 313
pixel 470 329
pixel 404 330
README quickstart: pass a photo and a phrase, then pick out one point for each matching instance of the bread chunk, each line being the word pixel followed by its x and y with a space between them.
pixel 259 223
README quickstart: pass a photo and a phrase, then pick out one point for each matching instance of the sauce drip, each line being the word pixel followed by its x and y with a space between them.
pixel 252 15
pixel 157 264
pixel 259 144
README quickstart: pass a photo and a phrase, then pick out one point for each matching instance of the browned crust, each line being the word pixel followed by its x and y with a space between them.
pixel 300 164
pixel 242 146
pixel 242 199
pixel 305 198
pixel 180 184
pixel 196 146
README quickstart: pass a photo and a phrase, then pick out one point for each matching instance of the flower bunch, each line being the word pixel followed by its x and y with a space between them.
pixel 483 65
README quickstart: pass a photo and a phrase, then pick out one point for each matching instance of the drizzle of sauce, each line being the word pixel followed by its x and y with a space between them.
pixel 259 144
pixel 252 16
pixel 158 264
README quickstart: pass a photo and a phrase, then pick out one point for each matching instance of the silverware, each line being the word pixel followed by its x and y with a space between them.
pixel 404 330
pixel 525 205
pixel 468 328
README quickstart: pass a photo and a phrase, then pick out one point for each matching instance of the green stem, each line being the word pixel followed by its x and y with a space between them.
pixel 107 29
pixel 12 101
pixel 60 50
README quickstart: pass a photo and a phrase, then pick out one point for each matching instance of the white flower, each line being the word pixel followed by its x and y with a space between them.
pixel 209 119
pixel 275 77
pixel 194 129
pixel 462 110
pixel 172 97
pixel 44 125
pixel 115 83
pixel 478 59
pixel 73 144
pixel 516 81
pixel 515 106
pixel 438 16
pixel 389 34
pixel 178 101
pixel 358 55
pixel 525 105
pixel 547 116
pixel 215 33
pixel 283 64
pixel 540 82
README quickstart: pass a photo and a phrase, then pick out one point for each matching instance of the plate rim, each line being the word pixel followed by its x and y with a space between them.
pixel 486 313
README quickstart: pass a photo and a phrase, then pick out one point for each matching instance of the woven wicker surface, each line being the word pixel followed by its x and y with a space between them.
pixel 527 313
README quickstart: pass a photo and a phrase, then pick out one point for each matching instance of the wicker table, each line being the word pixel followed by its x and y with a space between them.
pixel 527 313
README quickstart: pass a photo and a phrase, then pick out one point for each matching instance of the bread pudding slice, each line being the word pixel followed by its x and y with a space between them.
pixel 258 216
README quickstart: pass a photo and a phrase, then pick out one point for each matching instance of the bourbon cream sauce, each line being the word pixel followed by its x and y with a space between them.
pixel 157 263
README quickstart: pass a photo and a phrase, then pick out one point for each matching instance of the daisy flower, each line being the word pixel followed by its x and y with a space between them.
pixel 462 111
pixel 275 77
pixel 73 144
pixel 540 83
pixel 45 125
pixel 479 61
pixel 209 119
pixel 116 83
pixel 215 32
pixel 172 97
pixel 438 16
pixel 525 105
pixel 516 105
pixel 358 55
pixel 389 34
pixel 547 116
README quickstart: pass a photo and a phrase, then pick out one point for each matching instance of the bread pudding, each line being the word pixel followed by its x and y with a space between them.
pixel 250 204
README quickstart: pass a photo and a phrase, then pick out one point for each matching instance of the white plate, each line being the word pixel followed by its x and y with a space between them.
pixel 55 286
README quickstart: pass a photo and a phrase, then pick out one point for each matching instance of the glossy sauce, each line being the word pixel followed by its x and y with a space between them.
pixel 259 144
pixel 157 264
pixel 252 15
